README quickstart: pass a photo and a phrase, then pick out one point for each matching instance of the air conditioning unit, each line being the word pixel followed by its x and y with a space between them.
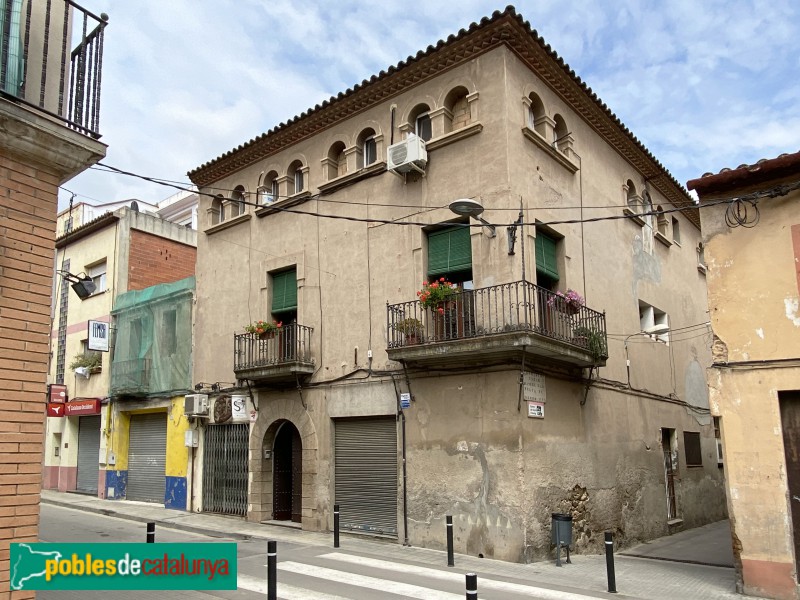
pixel 195 405
pixel 408 155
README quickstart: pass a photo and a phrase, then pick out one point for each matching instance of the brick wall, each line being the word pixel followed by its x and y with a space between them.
pixel 156 260
pixel 27 235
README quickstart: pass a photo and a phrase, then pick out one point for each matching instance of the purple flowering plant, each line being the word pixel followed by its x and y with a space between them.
pixel 569 299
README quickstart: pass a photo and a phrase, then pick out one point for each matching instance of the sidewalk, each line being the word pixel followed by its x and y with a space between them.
pixel 636 577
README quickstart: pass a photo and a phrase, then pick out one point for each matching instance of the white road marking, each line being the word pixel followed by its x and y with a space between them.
pixel 285 592
pixel 372 583
pixel 484 584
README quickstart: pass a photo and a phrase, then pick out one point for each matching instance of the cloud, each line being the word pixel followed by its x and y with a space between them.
pixel 703 85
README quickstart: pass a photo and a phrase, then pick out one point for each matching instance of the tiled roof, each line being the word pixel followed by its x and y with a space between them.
pixel 350 101
pixel 747 174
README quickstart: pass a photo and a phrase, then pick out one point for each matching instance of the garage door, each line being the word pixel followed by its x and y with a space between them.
pixel 88 453
pixel 366 475
pixel 147 458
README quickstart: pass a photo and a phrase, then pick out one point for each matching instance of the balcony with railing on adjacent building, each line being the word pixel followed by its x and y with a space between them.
pixel 498 323
pixel 51 59
pixel 130 377
pixel 275 357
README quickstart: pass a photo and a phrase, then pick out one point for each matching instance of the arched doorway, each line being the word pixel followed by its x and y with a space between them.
pixel 287 474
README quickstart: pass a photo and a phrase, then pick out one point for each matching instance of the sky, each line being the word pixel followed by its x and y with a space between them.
pixel 703 84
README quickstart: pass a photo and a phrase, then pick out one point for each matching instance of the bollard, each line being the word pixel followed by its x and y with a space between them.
pixel 272 570
pixel 335 525
pixel 450 561
pixel 612 582
pixel 151 533
pixel 472 586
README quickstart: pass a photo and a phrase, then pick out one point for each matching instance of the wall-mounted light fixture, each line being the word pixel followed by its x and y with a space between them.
pixel 82 284
pixel 466 207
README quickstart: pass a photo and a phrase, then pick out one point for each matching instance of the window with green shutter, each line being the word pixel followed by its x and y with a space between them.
pixel 450 254
pixel 546 256
pixel 284 291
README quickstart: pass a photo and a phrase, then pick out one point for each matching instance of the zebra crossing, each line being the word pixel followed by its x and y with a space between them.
pixel 346 574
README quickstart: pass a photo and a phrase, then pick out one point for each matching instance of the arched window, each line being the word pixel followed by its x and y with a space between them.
pixel 633 199
pixel 421 121
pixel 536 115
pixel 217 211
pixel 337 161
pixel 369 148
pixel 560 132
pixel 296 182
pixel 663 224
pixel 268 192
pixel 237 201
pixel 458 106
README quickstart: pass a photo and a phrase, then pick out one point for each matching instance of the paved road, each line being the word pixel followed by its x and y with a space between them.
pixel 305 572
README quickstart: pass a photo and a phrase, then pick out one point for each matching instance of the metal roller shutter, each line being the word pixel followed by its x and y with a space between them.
pixel 147 458
pixel 225 468
pixel 366 475
pixel 88 453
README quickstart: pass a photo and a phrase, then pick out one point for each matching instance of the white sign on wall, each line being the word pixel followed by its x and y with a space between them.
pixel 533 387
pixel 536 410
pixel 98 336
pixel 239 408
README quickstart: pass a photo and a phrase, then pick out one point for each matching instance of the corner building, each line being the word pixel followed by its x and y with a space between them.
pixel 503 402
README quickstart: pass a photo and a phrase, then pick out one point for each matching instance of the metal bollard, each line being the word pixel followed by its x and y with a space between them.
pixel 612 582
pixel 151 533
pixel 272 570
pixel 472 586
pixel 450 560
pixel 335 525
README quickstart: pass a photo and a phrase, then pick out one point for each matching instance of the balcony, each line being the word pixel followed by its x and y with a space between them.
pixel 274 358
pixel 51 57
pixel 130 377
pixel 501 323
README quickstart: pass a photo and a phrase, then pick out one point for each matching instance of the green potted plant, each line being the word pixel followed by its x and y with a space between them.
pixel 411 328
pixel 263 329
pixel 436 293
pixel 592 340
pixel 88 360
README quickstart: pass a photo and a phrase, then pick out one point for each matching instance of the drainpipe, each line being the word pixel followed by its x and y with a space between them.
pixel 402 416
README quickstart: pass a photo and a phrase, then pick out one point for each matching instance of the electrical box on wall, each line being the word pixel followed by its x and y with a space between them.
pixel 191 438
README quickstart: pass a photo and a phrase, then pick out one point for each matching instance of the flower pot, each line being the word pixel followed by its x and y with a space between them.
pixel 267 335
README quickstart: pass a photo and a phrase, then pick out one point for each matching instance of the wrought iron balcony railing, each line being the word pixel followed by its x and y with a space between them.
pixel 130 377
pixel 51 59
pixel 291 343
pixel 519 306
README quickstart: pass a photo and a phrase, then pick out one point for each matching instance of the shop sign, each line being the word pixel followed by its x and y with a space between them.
pixel 98 336
pixel 239 408
pixel 55 409
pixel 77 408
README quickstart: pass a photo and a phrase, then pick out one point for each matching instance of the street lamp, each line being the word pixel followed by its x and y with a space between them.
pixel 467 207
pixel 654 330
pixel 83 285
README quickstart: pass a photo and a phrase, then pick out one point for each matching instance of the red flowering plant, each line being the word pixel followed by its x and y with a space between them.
pixel 261 327
pixel 569 300
pixel 435 293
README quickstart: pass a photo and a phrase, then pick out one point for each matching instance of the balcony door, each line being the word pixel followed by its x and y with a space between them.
pixel 450 256
pixel 284 310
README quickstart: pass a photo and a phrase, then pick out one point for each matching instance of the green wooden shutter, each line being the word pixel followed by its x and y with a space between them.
pixel 449 251
pixel 284 291
pixel 546 255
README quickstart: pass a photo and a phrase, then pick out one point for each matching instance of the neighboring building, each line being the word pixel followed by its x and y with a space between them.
pixel 520 403
pixel 180 208
pixel 49 133
pixel 146 455
pixel 80 213
pixel 751 226
pixel 120 251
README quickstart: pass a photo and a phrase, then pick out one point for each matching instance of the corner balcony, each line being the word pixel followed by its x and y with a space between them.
pixel 51 60
pixel 500 323
pixel 279 357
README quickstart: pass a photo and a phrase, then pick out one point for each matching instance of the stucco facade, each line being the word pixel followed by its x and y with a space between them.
pixel 513 129
pixel 754 381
